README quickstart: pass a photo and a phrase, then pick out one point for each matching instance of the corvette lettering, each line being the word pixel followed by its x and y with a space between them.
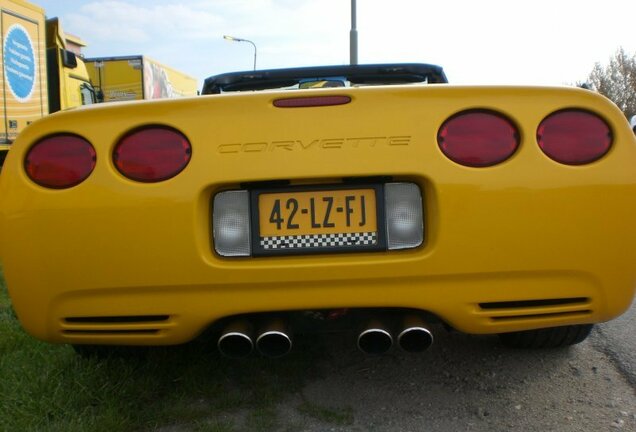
pixel 315 144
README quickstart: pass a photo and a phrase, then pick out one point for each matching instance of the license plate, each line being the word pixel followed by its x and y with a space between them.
pixel 317 220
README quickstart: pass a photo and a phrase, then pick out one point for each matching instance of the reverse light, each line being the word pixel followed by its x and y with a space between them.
pixel 152 154
pixel 404 221
pixel 60 161
pixel 478 138
pixel 574 137
pixel 231 223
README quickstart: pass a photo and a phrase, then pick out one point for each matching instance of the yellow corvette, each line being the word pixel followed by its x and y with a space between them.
pixel 376 199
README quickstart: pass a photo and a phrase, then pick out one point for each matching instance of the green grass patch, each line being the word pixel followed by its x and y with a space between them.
pixel 46 387
pixel 335 416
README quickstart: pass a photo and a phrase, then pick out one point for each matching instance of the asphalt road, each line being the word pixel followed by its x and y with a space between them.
pixel 618 339
pixel 469 383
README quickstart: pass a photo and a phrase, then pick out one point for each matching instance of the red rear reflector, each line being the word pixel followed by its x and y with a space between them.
pixel 152 154
pixel 574 137
pixel 60 161
pixel 478 138
pixel 302 102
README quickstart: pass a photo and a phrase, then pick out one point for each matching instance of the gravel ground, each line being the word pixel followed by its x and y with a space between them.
pixel 463 383
pixel 617 338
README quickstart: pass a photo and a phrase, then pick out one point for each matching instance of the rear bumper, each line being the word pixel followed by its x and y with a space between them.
pixel 470 303
pixel 492 261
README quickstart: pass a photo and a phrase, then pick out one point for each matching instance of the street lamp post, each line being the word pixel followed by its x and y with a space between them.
pixel 235 39
pixel 353 36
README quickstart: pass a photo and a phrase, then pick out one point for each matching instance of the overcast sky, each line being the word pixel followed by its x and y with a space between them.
pixel 536 42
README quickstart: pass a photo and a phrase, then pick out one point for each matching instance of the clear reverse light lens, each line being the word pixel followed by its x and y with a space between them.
pixel 231 223
pixel 404 221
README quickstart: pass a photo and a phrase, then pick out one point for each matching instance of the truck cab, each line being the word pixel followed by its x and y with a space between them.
pixel 69 82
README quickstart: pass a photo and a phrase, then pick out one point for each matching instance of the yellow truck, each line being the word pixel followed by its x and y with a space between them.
pixel 38 74
pixel 137 77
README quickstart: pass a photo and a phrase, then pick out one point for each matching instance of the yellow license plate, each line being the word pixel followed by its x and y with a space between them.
pixel 324 219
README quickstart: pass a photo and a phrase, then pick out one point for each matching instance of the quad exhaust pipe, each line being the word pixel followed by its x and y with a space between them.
pixel 273 339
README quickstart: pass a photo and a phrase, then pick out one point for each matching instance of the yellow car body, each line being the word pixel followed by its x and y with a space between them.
pixel 526 244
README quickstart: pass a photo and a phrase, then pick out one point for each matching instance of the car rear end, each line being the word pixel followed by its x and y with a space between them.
pixel 471 206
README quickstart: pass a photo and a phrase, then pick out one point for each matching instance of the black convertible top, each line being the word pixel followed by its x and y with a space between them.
pixel 398 73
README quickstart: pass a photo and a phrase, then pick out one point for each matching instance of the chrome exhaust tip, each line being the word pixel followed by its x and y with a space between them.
pixel 235 342
pixel 416 337
pixel 375 340
pixel 274 342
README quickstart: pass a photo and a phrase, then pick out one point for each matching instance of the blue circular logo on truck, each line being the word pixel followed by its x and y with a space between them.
pixel 19 62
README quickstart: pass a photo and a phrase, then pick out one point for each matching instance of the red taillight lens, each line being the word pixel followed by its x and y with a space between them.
pixel 574 137
pixel 478 138
pixel 60 161
pixel 302 102
pixel 152 154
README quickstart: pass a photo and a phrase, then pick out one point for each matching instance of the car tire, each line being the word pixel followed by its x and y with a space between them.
pixel 551 337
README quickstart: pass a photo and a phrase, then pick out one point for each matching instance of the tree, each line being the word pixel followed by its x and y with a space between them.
pixel 617 81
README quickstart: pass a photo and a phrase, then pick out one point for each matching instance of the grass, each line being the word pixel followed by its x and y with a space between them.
pixel 46 387
pixel 337 416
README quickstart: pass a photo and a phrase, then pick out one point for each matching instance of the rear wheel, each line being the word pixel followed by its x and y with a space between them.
pixel 551 337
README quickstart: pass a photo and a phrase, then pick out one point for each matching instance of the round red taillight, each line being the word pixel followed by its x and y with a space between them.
pixel 60 161
pixel 152 154
pixel 478 138
pixel 574 137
